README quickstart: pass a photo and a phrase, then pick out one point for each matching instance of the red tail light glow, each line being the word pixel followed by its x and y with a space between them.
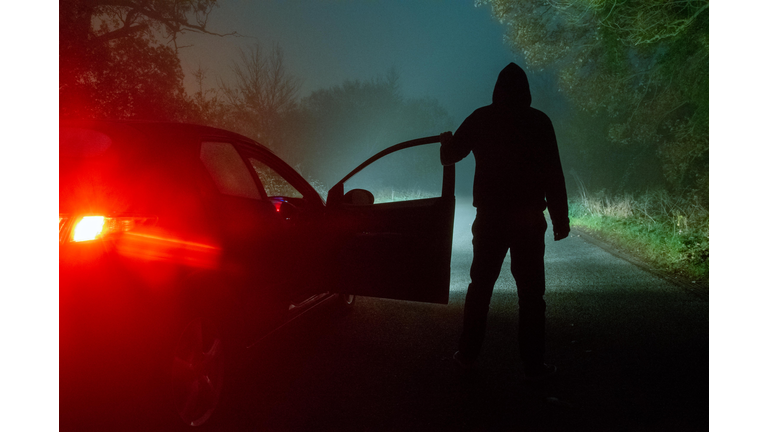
pixel 95 227
pixel 89 228
pixel 142 240
pixel 161 247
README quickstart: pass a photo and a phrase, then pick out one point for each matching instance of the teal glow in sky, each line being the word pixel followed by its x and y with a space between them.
pixel 448 50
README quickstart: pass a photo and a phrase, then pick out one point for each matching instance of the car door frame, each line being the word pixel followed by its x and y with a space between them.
pixel 305 239
pixel 399 250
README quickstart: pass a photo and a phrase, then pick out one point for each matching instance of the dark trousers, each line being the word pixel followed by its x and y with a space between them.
pixel 495 233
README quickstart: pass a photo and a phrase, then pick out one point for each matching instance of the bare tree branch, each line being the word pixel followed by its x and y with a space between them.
pixel 121 32
pixel 172 16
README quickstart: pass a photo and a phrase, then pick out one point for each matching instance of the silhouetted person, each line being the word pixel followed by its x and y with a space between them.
pixel 517 175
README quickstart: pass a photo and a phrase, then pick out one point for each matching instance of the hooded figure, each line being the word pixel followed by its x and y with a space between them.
pixel 517 176
pixel 517 161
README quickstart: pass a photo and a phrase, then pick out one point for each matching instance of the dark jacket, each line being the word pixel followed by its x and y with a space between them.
pixel 518 166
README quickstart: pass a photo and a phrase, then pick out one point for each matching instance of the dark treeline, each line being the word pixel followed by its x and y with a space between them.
pixel 634 137
pixel 343 125
pixel 124 65
pixel 634 77
pixel 119 59
pixel 326 134
pixel 637 75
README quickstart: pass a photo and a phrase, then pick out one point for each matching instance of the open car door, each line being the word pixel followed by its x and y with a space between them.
pixel 396 238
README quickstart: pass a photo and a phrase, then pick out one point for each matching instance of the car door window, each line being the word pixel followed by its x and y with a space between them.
pixel 406 175
pixel 274 184
pixel 228 171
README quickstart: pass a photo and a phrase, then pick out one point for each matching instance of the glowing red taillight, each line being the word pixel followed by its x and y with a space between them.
pixel 89 228
pixel 94 227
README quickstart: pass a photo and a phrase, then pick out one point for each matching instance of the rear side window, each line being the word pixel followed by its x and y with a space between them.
pixel 82 143
pixel 228 170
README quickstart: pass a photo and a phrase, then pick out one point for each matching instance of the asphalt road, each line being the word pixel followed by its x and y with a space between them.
pixel 631 349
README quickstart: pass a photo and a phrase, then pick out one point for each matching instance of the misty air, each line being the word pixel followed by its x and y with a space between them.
pixel 383 216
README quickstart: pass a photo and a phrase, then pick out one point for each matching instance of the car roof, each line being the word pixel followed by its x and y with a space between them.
pixel 169 132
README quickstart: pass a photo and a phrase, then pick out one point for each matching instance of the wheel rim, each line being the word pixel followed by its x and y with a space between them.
pixel 197 372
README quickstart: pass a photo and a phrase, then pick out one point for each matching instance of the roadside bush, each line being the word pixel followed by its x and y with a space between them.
pixel 669 231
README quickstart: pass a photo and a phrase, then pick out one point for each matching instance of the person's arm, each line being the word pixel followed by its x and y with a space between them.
pixel 454 148
pixel 557 197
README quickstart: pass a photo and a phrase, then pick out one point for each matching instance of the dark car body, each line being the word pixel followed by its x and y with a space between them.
pixel 181 246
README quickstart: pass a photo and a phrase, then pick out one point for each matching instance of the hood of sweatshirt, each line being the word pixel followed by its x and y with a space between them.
pixel 512 89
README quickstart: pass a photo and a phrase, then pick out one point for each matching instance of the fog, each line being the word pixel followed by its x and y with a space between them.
pixel 446 52
pixel 327 84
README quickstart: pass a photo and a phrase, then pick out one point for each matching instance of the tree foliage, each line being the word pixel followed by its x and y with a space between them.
pixel 642 65
pixel 325 134
pixel 341 126
pixel 261 98
pixel 118 58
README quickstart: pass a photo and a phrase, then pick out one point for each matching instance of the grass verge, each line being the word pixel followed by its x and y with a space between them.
pixel 669 232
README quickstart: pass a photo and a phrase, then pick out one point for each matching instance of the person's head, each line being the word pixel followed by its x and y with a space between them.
pixel 512 89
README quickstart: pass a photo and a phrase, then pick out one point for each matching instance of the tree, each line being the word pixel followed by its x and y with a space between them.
pixel 642 64
pixel 206 105
pixel 338 127
pixel 111 60
pixel 262 96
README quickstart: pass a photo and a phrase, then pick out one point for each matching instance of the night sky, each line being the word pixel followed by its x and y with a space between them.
pixel 448 50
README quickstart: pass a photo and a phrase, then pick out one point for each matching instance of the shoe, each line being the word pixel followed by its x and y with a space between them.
pixel 461 361
pixel 539 372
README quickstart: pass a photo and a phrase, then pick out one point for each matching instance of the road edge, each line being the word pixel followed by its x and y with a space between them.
pixel 701 291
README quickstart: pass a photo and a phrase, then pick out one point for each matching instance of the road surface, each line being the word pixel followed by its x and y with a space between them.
pixel 631 349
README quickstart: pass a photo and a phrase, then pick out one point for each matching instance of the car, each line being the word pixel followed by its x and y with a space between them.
pixel 182 247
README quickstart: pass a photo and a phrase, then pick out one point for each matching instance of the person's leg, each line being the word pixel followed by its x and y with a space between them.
pixel 489 250
pixel 527 256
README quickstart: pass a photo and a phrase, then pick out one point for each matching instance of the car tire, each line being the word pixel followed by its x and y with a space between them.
pixel 198 371
pixel 201 355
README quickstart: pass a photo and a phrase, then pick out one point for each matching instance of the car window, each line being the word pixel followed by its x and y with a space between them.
pixel 228 171
pixel 406 175
pixel 82 143
pixel 274 184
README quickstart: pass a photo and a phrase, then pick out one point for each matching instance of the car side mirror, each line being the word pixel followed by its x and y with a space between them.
pixel 284 208
pixel 358 197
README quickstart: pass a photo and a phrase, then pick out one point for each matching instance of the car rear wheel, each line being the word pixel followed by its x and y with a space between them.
pixel 197 371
